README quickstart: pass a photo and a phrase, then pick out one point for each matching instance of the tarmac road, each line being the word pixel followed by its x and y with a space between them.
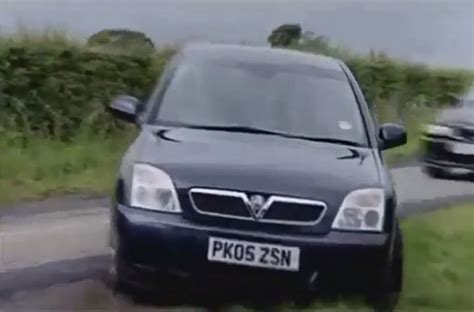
pixel 57 259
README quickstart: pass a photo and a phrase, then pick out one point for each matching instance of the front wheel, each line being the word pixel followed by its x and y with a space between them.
pixel 391 284
pixel 117 280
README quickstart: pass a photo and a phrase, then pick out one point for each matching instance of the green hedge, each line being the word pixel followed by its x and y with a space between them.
pixel 55 92
pixel 404 84
pixel 47 91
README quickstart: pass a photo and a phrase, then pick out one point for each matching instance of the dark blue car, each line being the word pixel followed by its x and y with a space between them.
pixel 257 166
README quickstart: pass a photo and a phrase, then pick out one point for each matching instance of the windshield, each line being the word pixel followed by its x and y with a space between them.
pixel 299 100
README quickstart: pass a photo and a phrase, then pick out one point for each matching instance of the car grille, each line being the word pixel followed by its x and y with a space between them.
pixel 439 151
pixel 467 133
pixel 273 209
pixel 219 203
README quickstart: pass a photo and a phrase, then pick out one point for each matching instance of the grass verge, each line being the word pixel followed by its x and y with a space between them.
pixel 440 261
pixel 47 167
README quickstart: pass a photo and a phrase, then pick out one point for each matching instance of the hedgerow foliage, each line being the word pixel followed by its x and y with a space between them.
pixel 56 91
pixel 406 84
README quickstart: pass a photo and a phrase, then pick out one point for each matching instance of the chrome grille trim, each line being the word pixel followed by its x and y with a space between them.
pixel 259 218
pixel 240 195
pixel 292 200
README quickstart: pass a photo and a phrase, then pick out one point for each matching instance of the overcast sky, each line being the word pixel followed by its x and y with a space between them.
pixel 432 31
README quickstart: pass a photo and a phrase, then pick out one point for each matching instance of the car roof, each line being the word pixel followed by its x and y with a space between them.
pixel 262 54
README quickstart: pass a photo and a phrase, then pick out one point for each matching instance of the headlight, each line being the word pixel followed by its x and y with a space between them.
pixel 361 210
pixel 153 189
pixel 439 130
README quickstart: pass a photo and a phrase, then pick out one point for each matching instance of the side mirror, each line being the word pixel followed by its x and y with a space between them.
pixel 392 135
pixel 125 107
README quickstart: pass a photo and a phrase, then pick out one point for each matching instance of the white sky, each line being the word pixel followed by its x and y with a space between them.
pixel 433 31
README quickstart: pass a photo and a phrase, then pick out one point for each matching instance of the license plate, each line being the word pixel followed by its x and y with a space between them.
pixel 462 148
pixel 253 254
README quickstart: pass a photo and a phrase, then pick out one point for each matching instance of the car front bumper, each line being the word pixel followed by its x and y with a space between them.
pixel 438 153
pixel 154 246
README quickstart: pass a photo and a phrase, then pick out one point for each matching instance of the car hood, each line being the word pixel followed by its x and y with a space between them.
pixel 259 163
pixel 458 116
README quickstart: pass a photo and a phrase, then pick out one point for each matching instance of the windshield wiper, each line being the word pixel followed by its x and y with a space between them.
pixel 328 140
pixel 249 129
pixel 236 128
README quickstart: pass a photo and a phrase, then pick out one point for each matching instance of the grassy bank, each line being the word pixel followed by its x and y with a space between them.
pixel 440 267
pixel 86 164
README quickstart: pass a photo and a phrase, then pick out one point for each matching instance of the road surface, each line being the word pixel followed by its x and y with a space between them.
pixel 54 253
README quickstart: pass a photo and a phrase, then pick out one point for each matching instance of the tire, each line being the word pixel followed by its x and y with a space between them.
pixel 391 284
pixel 119 275
pixel 118 282
pixel 115 279
pixel 140 290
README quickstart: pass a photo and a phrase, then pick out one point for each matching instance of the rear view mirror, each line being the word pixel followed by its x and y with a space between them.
pixel 125 107
pixel 392 135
